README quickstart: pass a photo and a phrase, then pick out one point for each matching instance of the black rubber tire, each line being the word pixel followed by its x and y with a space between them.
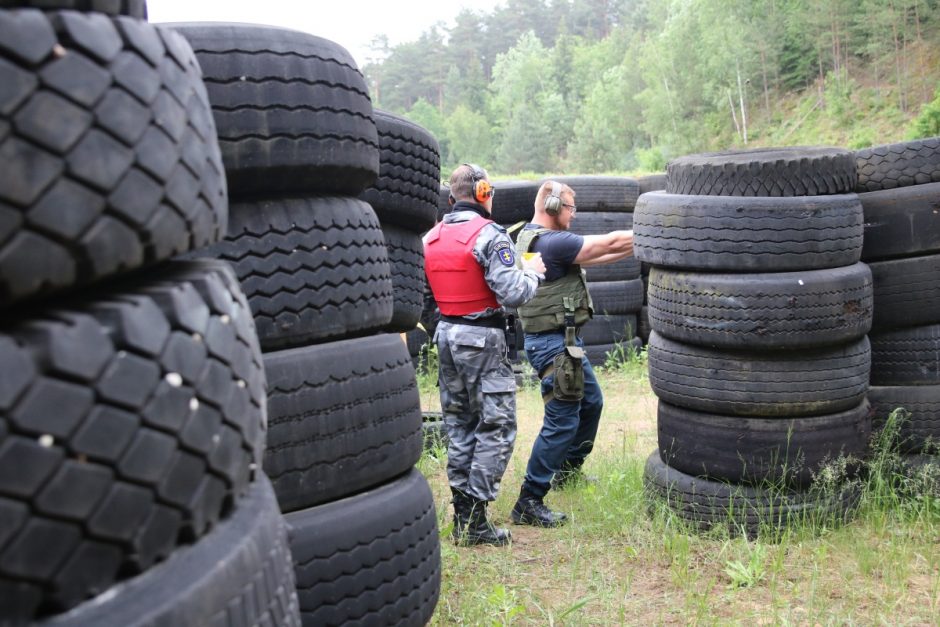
pixel 435 431
pixel 601 223
pixel 597 353
pixel 616 297
pixel 898 165
pixel 652 183
pixel 110 156
pixel 240 574
pixel 292 110
pixel 130 8
pixel 314 269
pixel 794 171
pixel 342 417
pixel 371 559
pixel 785 384
pixel 643 329
pixel 901 222
pixel 514 201
pixel 921 428
pixel 908 356
pixel 748 234
pixel 416 340
pixel 781 310
pixel 407 190
pixel 760 451
pixel 608 329
pixel 430 314
pixel 602 193
pixel 130 422
pixel 443 206
pixel 922 474
pixel 907 292
pixel 742 509
pixel 406 263
pixel 623 270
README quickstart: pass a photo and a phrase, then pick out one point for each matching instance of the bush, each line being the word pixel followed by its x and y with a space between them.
pixel 927 124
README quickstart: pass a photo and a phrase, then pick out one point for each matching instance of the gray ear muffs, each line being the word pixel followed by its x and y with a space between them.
pixel 553 203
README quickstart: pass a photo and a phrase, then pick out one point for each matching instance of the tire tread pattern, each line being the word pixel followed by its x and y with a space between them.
pixel 293 111
pixel 770 310
pixel 408 186
pixel 898 165
pixel 111 156
pixel 796 171
pixel 759 384
pixel 343 417
pixel 148 400
pixel 373 558
pixel 314 269
pixel 707 504
pixel 748 234
pixel 241 574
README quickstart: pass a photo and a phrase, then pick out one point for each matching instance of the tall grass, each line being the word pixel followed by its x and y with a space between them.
pixel 626 559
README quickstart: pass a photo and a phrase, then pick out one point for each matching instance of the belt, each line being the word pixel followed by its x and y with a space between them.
pixel 492 322
pixel 553 331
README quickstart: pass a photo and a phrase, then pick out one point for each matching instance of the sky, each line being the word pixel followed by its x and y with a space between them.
pixel 351 23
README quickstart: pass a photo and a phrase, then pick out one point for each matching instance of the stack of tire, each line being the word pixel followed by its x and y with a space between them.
pixel 132 392
pixel 899 186
pixel 299 144
pixel 759 309
pixel 649 183
pixel 604 204
pixel 405 197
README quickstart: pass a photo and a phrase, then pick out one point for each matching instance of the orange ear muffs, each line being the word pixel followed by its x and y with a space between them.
pixel 482 190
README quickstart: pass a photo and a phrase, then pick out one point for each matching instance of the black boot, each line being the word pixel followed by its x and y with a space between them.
pixel 571 476
pixel 471 526
pixel 530 510
pixel 461 514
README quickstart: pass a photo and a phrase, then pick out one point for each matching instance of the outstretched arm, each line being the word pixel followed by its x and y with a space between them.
pixel 598 249
pixel 609 258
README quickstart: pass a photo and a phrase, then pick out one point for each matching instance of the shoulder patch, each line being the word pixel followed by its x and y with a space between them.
pixel 507 256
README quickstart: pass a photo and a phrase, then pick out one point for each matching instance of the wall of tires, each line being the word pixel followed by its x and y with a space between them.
pixel 759 310
pixel 132 388
pixel 899 187
pixel 331 279
pixel 200 329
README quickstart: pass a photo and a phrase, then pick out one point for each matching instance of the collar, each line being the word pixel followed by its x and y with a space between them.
pixel 466 205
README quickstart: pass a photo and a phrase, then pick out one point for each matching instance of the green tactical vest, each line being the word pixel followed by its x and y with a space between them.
pixel 546 312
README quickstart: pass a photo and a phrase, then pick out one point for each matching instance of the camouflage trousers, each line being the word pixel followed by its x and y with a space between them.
pixel 478 400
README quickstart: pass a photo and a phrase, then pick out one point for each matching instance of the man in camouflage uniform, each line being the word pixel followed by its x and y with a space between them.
pixel 473 273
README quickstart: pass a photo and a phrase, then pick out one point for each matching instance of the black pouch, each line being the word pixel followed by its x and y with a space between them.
pixel 569 374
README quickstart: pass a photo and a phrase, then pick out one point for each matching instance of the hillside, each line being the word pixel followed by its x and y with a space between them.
pixel 596 86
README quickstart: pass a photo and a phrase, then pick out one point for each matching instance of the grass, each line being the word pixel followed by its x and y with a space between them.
pixel 617 562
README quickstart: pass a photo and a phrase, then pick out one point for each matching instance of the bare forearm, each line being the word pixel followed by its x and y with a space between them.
pixel 608 258
pixel 599 247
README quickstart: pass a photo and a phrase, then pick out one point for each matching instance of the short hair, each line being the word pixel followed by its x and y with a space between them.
pixel 545 191
pixel 461 183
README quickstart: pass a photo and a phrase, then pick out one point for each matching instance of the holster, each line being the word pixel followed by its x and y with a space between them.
pixel 567 366
pixel 512 352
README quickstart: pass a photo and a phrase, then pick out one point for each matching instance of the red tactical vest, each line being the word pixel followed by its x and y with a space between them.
pixel 455 275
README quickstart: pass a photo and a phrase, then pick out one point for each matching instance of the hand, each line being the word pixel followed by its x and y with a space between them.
pixel 534 263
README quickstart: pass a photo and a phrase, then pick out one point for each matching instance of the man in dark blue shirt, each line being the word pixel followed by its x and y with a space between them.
pixel 573 399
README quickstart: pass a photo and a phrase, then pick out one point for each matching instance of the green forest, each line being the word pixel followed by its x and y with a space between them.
pixel 608 86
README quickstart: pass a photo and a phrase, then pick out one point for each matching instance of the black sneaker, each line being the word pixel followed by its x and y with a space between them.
pixel 530 510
